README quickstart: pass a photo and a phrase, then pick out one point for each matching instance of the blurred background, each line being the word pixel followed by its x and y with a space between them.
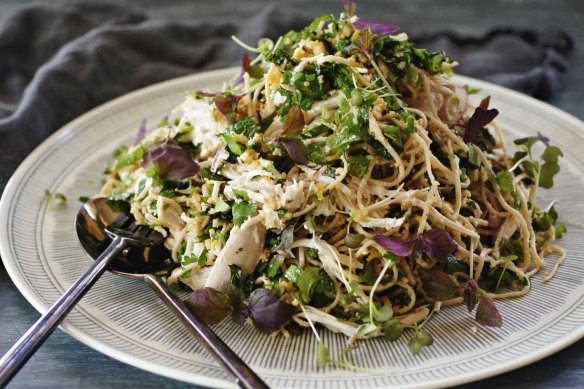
pixel 471 18
pixel 467 17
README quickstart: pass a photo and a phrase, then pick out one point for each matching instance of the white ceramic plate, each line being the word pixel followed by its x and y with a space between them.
pixel 125 320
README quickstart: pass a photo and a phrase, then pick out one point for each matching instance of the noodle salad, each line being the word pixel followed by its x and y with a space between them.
pixel 342 180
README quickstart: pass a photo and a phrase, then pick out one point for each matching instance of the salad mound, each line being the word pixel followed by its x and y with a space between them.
pixel 343 180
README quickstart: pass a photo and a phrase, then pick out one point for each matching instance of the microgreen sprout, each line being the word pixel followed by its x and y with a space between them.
pixel 54 200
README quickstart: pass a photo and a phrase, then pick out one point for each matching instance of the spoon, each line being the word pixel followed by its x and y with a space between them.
pixel 113 239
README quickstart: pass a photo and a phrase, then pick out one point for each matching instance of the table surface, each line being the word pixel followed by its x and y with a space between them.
pixel 64 362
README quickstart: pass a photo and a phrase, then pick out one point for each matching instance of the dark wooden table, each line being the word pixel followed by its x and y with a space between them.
pixel 63 362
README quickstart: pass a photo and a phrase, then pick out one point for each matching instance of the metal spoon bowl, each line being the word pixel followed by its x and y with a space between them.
pixel 98 224
pixel 113 239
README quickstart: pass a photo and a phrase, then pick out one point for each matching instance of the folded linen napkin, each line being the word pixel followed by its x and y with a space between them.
pixel 58 61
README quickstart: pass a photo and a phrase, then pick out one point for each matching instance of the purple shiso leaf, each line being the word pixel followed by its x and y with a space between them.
pixel 141 132
pixel 471 295
pixel 297 150
pixel 245 61
pixel 485 102
pixel 208 94
pixel 396 246
pixel 173 162
pixel 349 6
pixel 487 313
pixel 480 118
pixel 437 285
pixel 217 159
pixel 146 161
pixel 543 138
pixel 381 29
pixel 294 123
pixel 226 103
pixel 267 312
pixel 365 40
pixel 209 305
pixel 437 244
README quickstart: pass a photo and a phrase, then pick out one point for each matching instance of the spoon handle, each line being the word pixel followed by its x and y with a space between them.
pixel 26 346
pixel 245 376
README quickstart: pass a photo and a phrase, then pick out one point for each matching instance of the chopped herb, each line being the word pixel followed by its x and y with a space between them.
pixel 241 194
pixel 273 269
pixel 560 231
pixel 125 157
pixel 473 156
pixel 359 164
pixel 242 211
pixel 53 200
pixel 393 329
pixel 312 253
pixel 292 274
pixel 470 90
pixel 232 144
pixel 505 181
pixel 220 207
pixel 246 127
pixel 307 281
pixel 323 355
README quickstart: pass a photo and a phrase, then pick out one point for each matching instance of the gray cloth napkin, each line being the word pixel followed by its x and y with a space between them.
pixel 59 61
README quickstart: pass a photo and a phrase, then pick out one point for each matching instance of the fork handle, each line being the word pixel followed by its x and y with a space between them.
pixel 244 375
pixel 26 346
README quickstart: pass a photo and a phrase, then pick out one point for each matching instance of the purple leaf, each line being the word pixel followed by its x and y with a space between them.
pixel 146 161
pixel 209 305
pixel 245 61
pixel 396 246
pixel 543 138
pixel 297 150
pixel 480 118
pixel 267 312
pixel 484 104
pixel 349 6
pixel 437 285
pixel 141 132
pixel 471 295
pixel 532 139
pixel 173 162
pixel 294 123
pixel 381 29
pixel 437 244
pixel 207 94
pixel 365 39
pixel 487 313
pixel 226 103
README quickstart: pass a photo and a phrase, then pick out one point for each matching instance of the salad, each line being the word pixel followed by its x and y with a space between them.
pixel 342 180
